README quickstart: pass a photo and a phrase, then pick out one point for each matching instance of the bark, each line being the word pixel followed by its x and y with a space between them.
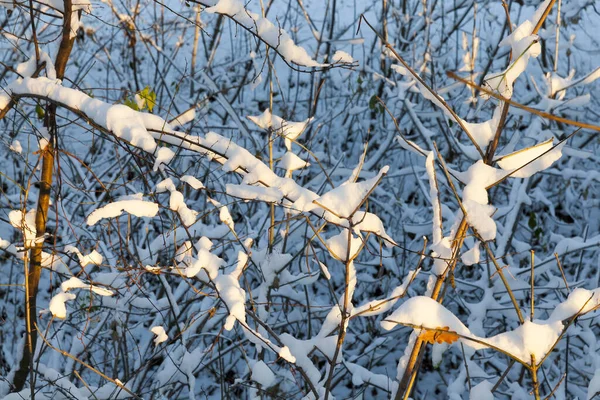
pixel 35 268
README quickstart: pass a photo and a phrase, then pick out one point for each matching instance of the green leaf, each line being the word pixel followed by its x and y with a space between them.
pixel 538 233
pixel 132 104
pixel 532 221
pixel 39 111
pixel 373 102
pixel 149 98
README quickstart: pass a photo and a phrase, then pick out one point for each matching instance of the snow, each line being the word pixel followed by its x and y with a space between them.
pixel 275 37
pixel 165 185
pixel 134 205
pixel 161 335
pixel 441 246
pixel 483 132
pixel 25 223
pixel 128 124
pixel 294 286
pixel 178 234
pixel 369 222
pixel 591 77
pixel 299 351
pixel 224 214
pixel 204 260
pixel 575 303
pixel 546 151
pixel 121 120
pixel 338 246
pixel 475 198
pixel 16 147
pixel 251 192
pixel 426 312
pixel 164 155
pixel 362 375
pixel 594 386
pixel 234 297
pixel 50 261
pixel 27 69
pixel 112 390
pixel 154 269
pixel 83 5
pixel 469 55
pixel 476 179
pixel 325 271
pixel 573 243
pixel 342 57
pixel 480 218
pixel 556 83
pixel 434 198
pixel 531 338
pixel 177 203
pixel 76 283
pixel 344 200
pixel 524 45
pixel 139 101
pixel 42 143
pixel 94 257
pixel 195 183
pixel 471 256
pixel 262 374
pixel 234 157
pixel 57 304
pixel 376 307
pixel 53 262
pixel 184 118
pixel 291 162
pixel 289 130
pixel 482 391
pixel 399 69
pixel 286 354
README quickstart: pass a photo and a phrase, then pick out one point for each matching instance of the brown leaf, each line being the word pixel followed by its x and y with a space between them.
pixel 439 335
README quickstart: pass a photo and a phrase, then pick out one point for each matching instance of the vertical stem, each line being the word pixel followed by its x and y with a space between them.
pixel 567 366
pixel 543 17
pixel 534 378
pixel 272 136
pixel 34 34
pixel 29 327
pixel 384 17
pixel 410 371
pixel 532 285
pixel 345 307
pixel 513 299
pixel 195 50
pixel 557 36
pixel 313 110
pixel 473 48
pixel 34 270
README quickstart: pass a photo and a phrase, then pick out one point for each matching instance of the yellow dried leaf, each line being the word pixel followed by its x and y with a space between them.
pixel 439 335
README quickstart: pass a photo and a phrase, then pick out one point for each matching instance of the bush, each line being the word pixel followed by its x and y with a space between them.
pixel 286 200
